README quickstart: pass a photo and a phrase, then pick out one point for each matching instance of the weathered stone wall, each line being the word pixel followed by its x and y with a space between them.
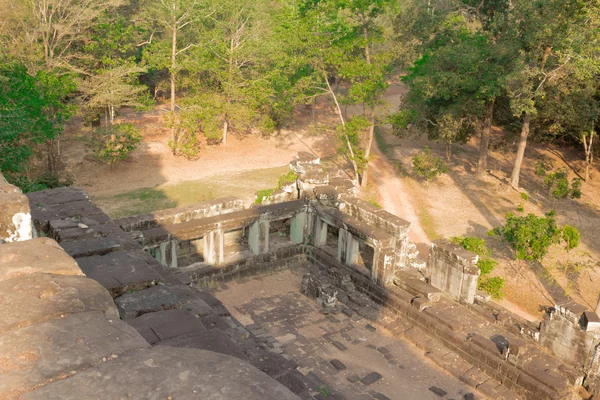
pixel 450 334
pixel 453 270
pixel 564 331
pixel 15 215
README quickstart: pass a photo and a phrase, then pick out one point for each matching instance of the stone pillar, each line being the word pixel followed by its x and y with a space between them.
pixel 319 232
pixel 342 243
pixel 384 263
pixel 351 250
pixel 15 214
pixel 213 247
pixel 347 248
pixel 297 227
pixel 258 237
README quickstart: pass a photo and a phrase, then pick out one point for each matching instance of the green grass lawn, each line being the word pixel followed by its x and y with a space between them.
pixel 145 200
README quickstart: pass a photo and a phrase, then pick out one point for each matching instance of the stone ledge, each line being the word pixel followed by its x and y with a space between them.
pixel 166 372
pixel 37 298
pixel 32 256
pixel 40 353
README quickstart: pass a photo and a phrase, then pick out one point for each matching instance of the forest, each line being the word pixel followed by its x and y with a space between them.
pixel 242 66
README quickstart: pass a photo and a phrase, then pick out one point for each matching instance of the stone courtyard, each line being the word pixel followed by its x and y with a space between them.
pixel 339 350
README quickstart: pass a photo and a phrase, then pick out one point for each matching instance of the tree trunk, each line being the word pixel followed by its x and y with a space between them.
pixel 485 140
pixel 589 153
pixel 365 174
pixel 339 111
pixel 225 128
pixel 173 66
pixel 313 110
pixel 448 150
pixel 516 172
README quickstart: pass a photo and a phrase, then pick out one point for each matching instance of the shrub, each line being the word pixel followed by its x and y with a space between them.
pixel 540 168
pixel 188 144
pixel 558 185
pixel 286 179
pixel 47 180
pixel 261 195
pixel 427 165
pixel 492 286
pixel 520 207
pixel 576 188
pixel 531 236
pixel 485 264
pixel 524 196
pixel 116 142
pixel 571 237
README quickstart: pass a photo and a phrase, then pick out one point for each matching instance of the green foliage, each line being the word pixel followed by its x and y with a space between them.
pixel 286 179
pixel 427 165
pixel 493 286
pixel 485 263
pixel 524 196
pixel 32 110
pixel 576 188
pixel 261 195
pixel 531 236
pixel 558 185
pixel 188 144
pixel 540 168
pixel 115 142
pixel 570 236
pixel 401 119
pixel 520 208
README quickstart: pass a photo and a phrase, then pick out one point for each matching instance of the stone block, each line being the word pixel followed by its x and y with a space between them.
pixel 42 215
pixel 37 298
pixel 167 324
pixel 157 298
pixel 213 340
pixel 165 372
pixel 50 350
pixel 423 289
pixel 421 303
pixel 38 255
pixel 371 378
pixel 60 195
pixel 119 272
pixel 99 246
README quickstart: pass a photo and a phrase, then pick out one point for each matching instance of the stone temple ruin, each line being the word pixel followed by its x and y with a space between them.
pixel 98 308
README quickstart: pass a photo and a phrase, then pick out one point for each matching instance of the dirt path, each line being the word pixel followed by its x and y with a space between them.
pixel 396 199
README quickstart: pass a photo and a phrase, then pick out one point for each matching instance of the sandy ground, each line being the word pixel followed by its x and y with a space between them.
pixel 458 204
pixel 152 164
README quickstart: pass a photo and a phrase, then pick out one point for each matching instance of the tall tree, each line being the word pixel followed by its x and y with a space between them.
pixel 553 37
pixel 112 89
pixel 458 77
pixel 170 23
pixel 353 29
pixel 52 32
